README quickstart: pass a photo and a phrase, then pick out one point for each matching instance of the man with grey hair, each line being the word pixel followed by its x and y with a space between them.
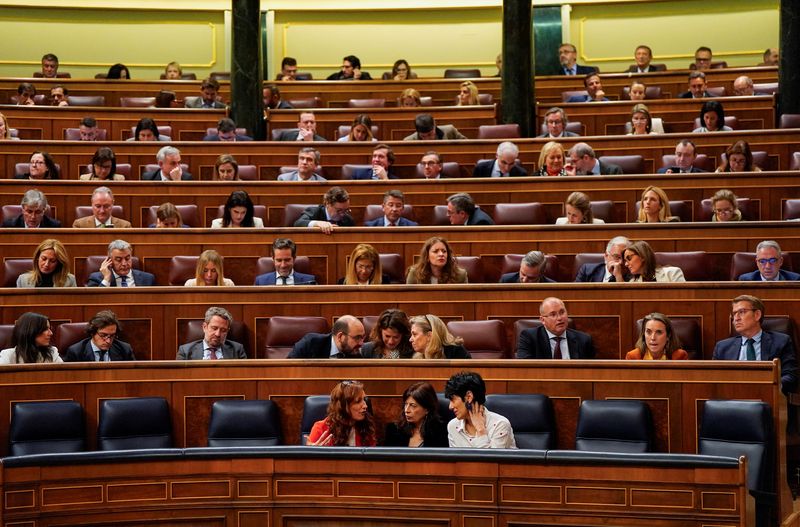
pixel 461 210
pixel 612 259
pixel 214 345
pixel 743 86
pixel 553 339
pixel 556 122
pixel 344 341
pixel 117 269
pixel 504 164
pixel 582 161
pixel 307 162
pixel 531 270
pixel 769 259
pixel 102 207
pixel 169 167
pixel 34 209
pixel 697 86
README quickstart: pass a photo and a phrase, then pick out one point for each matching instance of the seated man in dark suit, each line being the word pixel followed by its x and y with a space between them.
pixel 754 343
pixel 685 154
pixel 461 210
pixel 769 259
pixel 426 130
pixel 382 161
pixel 334 212
pixel 102 344
pixel 594 89
pixel 553 340
pixel 583 162
pixel 308 159
pixel 284 251
pixel 344 341
pixel 208 96
pixel 568 58
pixel 306 129
pixel 556 122
pixel 393 203
pixel 351 70
pixel 272 97
pixel 226 131
pixel 214 344
pixel 697 86
pixel 34 207
pixel 169 167
pixel 531 270
pixel 604 272
pixel 504 164
pixel 117 270
pixel 643 57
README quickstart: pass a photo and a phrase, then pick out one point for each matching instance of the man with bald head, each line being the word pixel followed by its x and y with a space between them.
pixel 344 341
pixel 743 85
pixel 553 340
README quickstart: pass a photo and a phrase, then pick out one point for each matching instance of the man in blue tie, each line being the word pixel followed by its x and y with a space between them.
pixel 117 269
pixel 568 57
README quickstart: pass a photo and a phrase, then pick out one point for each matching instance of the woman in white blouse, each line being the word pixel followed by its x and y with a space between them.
pixel 474 426
pixel 579 210
pixel 209 271
pixel 640 260
pixel 31 341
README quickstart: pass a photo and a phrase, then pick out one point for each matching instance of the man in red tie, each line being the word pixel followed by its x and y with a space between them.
pixel 553 340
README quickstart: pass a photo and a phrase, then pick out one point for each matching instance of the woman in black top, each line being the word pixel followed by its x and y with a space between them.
pixel 419 423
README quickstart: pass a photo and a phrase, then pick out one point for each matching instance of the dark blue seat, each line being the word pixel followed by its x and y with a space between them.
pixel 133 424
pixel 531 417
pixel 614 426
pixel 47 427
pixel 244 423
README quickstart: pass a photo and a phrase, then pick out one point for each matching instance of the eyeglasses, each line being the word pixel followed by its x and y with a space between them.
pixel 34 163
pixel 740 312
pixel 342 211
pixel 770 261
pixel 723 211
pixel 429 163
pixel 556 314
pixel 107 336
pixel 365 267
pixel 357 338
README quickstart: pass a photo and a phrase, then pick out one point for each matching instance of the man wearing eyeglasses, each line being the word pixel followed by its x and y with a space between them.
pixel 755 343
pixel 553 340
pixel 344 341
pixel 769 259
pixel 334 212
pixel 34 208
pixel 102 344
pixel 612 258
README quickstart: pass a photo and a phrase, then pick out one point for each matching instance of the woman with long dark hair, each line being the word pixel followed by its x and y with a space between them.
pixel 30 341
pixel 239 211
pixel 419 423
pixel 390 337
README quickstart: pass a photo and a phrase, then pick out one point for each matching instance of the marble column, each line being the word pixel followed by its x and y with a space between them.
pixel 247 75
pixel 789 65
pixel 517 82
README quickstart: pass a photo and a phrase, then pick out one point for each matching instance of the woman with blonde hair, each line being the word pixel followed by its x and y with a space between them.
pixel 640 260
pixel 209 271
pixel 431 340
pixel 173 71
pixel 364 267
pixel 551 160
pixel 657 340
pixel 50 267
pixel 641 121
pixel 468 94
pixel 724 206
pixel 5 131
pixel 226 169
pixel 360 130
pixel 348 422
pixel 578 210
pixel 436 265
pixel 410 98
pixel 654 207
pixel 168 216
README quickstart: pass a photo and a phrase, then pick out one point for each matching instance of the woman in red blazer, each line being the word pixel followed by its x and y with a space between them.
pixel 348 422
pixel 657 340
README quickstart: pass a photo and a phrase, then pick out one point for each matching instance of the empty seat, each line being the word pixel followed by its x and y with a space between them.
pixel 716 91
pixel 376 211
pixel 450 169
pixel 47 427
pixel 694 264
pixel 293 211
pixel 369 321
pixel 86 100
pixel 83 211
pixel 791 209
pixel 765 88
pixel 393 267
pixel 632 164
pixel 137 102
pixel 315 408
pixel 462 73
pixel 366 103
pixel 472 264
pixel 586 258
pixel 248 173
pixel 602 209
pixel 244 423
pixel 484 339
pixel 283 332
pixel 348 170
pixel 189 215
pixel 789 120
pixel 74 134
pixel 13 267
pixel 310 102
pixel 531 417
pixel 730 120
pixel 614 426
pixel 519 214
pixel 795 164
pixel 220 75
pixel 750 209
pixel 568 94
pixel 134 424
pixel 5 335
pixel 182 268
pixel 680 208
pixel 498 131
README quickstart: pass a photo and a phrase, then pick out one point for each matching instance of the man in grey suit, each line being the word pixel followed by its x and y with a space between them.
pixel 461 210
pixel 556 122
pixel 214 345
pixel 584 162
pixel 755 343
pixel 208 96
pixel 306 130
pixel 307 162
pixel 553 340
pixel 34 207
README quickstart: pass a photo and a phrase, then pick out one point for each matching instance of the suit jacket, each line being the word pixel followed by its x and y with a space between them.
pixel 19 222
pixel 591 273
pixel 653 67
pixel 272 279
pixel 755 276
pixel 155 175
pixel 443 131
pixel 317 213
pixel 215 137
pixel 293 176
pixel 402 222
pixel 194 350
pixel 478 217
pixel 773 346
pixel 694 169
pixel 513 278
pixel 566 133
pixel 87 222
pixel 484 169
pixel 291 135
pixel 366 174
pixel 339 76
pixel 584 98
pixel 139 277
pixel 314 346
pixel 82 351
pixel 198 103
pixel 688 95
pixel 610 169
pixel 534 344
pixel 579 70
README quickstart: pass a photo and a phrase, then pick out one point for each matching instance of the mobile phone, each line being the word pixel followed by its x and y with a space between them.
pixel 469 407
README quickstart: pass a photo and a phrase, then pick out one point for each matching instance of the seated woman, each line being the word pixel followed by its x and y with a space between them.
pixel 551 159
pixel 390 337
pixel 209 271
pixel 738 158
pixel 50 267
pixel 118 71
pixel 226 169
pixel 579 210
pixel 168 217
pixel 640 260
pixel 474 426
pixel 712 118
pixel 642 123
pixel 42 166
pixel 468 94
pixel 410 98
pixel 654 207
pixel 360 130
pixel 364 267
pixel 419 424
pixel 637 91
pixel 401 71
pixel 239 211
pixel 103 166
pixel 724 206
pixel 657 340
pixel 5 130
pixel 431 340
pixel 436 265
pixel 147 130
pixel 173 71
pixel 348 422
pixel 30 341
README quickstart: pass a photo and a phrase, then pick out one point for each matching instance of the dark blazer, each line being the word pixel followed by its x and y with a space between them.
pixel 385 279
pixel 155 175
pixel 694 169
pixel 82 351
pixel 534 344
pixel 484 169
pixel 455 351
pixel 688 95
pixel 139 277
pixel 513 278
pixel 566 133
pixel 653 67
pixel 755 276
pixel 291 135
pixel 402 222
pixel 317 213
pixel 579 70
pixel 368 351
pixel 774 345
pixel 19 221
pixel 610 169
pixel 215 137
pixel 314 346
pixel 194 350
pixel 366 173
pixel 272 279
pixel 434 434
pixel 591 273
pixel 584 98
pixel 339 76
pixel 478 217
